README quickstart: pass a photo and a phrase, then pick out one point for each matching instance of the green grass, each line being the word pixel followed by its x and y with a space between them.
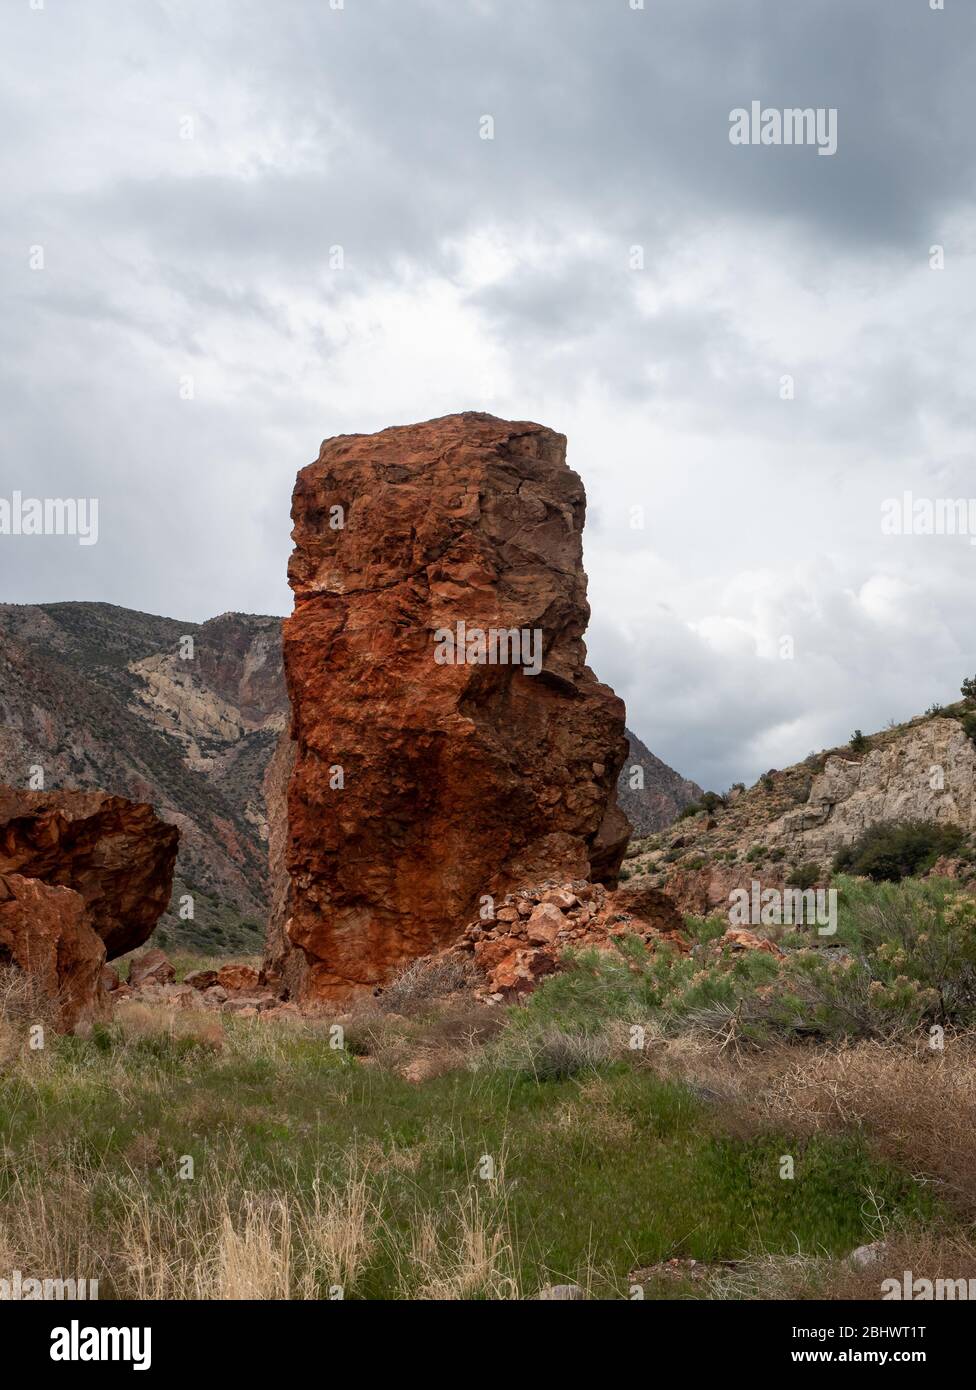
pixel 595 1175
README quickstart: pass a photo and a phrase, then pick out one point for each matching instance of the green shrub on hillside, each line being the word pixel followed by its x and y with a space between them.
pixel 895 850
pixel 922 931
pixel 805 876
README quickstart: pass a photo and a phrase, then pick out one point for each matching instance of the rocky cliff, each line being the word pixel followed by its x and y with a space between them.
pixel 650 793
pixel 924 770
pixel 101 697
pixel 182 715
pixel 451 742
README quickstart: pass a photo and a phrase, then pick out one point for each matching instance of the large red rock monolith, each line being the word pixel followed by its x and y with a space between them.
pixel 450 740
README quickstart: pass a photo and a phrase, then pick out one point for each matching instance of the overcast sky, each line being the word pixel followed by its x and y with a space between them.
pixel 187 169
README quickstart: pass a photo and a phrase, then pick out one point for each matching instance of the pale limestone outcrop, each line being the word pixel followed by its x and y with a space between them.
pixel 929 773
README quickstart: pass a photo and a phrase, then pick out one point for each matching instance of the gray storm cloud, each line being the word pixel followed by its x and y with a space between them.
pixel 262 225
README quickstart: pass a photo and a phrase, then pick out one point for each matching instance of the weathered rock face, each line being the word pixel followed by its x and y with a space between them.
pixel 104 700
pixel 661 793
pixel 422 783
pixel 152 967
pixel 928 773
pixel 46 931
pixel 115 854
pixel 285 966
pixel 532 929
pixel 802 815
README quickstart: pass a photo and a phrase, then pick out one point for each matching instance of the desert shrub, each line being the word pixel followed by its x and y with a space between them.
pixel 694 808
pixel 907 960
pixel 968 688
pixel 706 929
pixel 424 981
pixel 925 933
pixel 968 722
pixel 635 985
pixel 756 853
pixel 835 999
pixel 801 792
pixel 858 743
pixel 804 876
pixel 895 850
pixel 556 1055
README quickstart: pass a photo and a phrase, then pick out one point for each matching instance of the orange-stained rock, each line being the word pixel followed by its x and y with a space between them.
pixel 200 979
pixel 115 853
pixel 546 922
pixel 151 968
pixel 285 966
pixel 512 955
pixel 47 932
pixel 420 786
pixel 739 939
pixel 237 978
pixel 702 892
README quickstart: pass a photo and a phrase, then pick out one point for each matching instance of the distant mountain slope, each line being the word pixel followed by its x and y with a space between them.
pixel 99 697
pixel 664 793
pixel 799 817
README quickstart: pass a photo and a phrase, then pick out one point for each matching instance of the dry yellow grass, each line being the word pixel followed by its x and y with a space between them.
pixel 473 1259
pixel 916 1106
pixel 228 1244
pixel 785 1278
pixel 140 1021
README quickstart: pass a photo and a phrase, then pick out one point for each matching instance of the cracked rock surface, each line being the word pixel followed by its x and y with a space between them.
pixel 419 786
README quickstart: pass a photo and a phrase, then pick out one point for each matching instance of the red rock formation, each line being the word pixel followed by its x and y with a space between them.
pixel 420 786
pixel 531 931
pixel 152 967
pixel 116 854
pixel 47 932
pixel 738 939
pixel 285 967
pixel 707 891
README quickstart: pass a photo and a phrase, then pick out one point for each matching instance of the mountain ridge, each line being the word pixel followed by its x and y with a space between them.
pixel 99 697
